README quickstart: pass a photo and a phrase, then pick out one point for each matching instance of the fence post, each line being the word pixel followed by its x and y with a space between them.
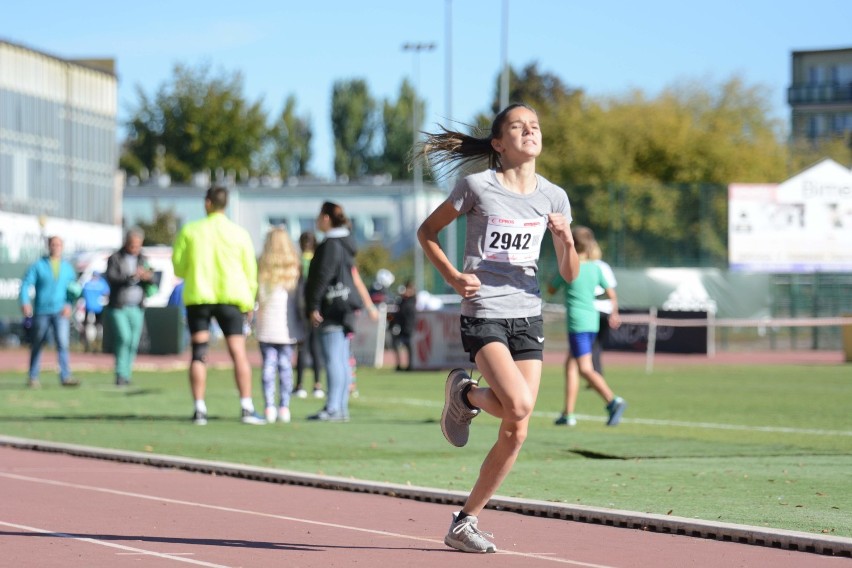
pixel 711 334
pixel 652 341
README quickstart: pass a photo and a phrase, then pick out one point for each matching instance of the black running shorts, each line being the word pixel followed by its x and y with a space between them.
pixel 523 336
pixel 229 318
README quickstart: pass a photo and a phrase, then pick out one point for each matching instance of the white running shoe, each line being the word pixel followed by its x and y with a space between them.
pixel 318 393
pixel 464 535
pixel 271 414
pixel 300 393
pixel 284 415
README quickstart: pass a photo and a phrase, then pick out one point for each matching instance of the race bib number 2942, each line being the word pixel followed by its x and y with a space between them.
pixel 513 240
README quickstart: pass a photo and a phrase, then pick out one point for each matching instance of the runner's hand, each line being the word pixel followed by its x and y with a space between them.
pixel 560 228
pixel 466 285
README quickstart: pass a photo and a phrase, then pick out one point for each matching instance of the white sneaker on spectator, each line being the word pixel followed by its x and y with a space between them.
pixel 271 414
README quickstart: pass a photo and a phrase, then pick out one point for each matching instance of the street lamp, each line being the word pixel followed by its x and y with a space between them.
pixel 419 212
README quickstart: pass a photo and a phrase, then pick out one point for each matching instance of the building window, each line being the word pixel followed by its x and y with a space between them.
pixel 380 228
pixel 307 224
pixel 277 222
pixel 815 75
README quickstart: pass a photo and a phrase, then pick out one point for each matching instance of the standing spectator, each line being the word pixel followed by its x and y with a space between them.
pixel 176 301
pixel 603 304
pixel 507 209
pixel 333 259
pixel 279 322
pixel 95 295
pixel 308 350
pixel 130 280
pixel 56 289
pixel 215 257
pixel 402 325
pixel 583 323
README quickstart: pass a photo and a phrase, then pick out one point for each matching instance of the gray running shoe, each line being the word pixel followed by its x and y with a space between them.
pixel 615 409
pixel 464 535
pixel 456 416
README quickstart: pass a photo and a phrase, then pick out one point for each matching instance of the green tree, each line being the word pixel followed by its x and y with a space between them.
pixel 162 229
pixel 353 123
pixel 195 122
pixel 805 153
pixel 290 140
pixel 398 130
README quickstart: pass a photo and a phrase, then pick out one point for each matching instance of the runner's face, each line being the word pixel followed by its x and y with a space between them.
pixel 521 135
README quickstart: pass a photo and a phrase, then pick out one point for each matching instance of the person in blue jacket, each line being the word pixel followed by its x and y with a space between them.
pixel 56 289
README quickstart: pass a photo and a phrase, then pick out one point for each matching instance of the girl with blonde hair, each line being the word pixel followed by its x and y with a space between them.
pixel 278 324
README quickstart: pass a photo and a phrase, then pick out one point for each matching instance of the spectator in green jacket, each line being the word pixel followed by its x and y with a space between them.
pixel 216 259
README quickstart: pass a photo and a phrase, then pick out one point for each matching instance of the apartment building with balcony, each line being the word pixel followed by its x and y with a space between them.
pixel 820 96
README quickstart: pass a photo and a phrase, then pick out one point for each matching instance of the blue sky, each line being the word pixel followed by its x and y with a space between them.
pixel 301 48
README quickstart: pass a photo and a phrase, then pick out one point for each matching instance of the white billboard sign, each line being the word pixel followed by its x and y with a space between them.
pixel 801 225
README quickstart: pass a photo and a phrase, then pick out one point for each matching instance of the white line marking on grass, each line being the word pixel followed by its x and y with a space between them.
pixel 654 422
pixel 129 549
pixel 536 556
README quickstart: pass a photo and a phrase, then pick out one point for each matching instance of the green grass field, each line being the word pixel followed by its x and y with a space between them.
pixel 765 446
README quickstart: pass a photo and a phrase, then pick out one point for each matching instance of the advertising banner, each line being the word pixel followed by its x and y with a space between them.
pixel 801 225
pixel 437 341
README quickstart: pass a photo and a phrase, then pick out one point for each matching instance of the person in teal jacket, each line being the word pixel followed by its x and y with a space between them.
pixel 55 285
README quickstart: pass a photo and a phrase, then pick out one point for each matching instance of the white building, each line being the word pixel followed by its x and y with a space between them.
pixel 386 213
pixel 58 153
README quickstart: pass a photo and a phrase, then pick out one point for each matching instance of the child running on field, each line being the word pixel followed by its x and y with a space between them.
pixel 583 323
pixel 507 207
pixel 279 325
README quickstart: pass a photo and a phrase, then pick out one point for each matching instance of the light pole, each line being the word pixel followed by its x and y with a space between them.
pixel 504 57
pixel 448 104
pixel 419 212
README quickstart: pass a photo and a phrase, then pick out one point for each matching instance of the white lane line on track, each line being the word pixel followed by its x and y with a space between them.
pixel 536 556
pixel 654 422
pixel 128 549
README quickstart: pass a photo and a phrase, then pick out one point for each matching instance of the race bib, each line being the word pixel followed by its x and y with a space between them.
pixel 513 240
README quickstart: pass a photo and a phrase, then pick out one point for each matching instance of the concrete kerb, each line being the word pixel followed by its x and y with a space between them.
pixel 742 534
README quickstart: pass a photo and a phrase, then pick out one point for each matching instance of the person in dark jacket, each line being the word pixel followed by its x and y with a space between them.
pixel 130 280
pixel 333 267
pixel 402 326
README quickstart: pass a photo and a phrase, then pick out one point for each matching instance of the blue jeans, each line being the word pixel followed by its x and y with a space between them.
pixel 42 323
pixel 335 350
pixel 277 363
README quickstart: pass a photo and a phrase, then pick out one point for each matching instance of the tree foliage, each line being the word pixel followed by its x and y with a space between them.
pixel 163 229
pixel 398 132
pixel 201 122
pixel 353 125
pixel 195 122
pixel 290 141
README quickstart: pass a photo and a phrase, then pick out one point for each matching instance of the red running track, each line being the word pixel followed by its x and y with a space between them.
pixel 64 511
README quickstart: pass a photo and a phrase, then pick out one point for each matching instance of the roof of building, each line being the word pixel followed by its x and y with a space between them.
pixel 99 64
